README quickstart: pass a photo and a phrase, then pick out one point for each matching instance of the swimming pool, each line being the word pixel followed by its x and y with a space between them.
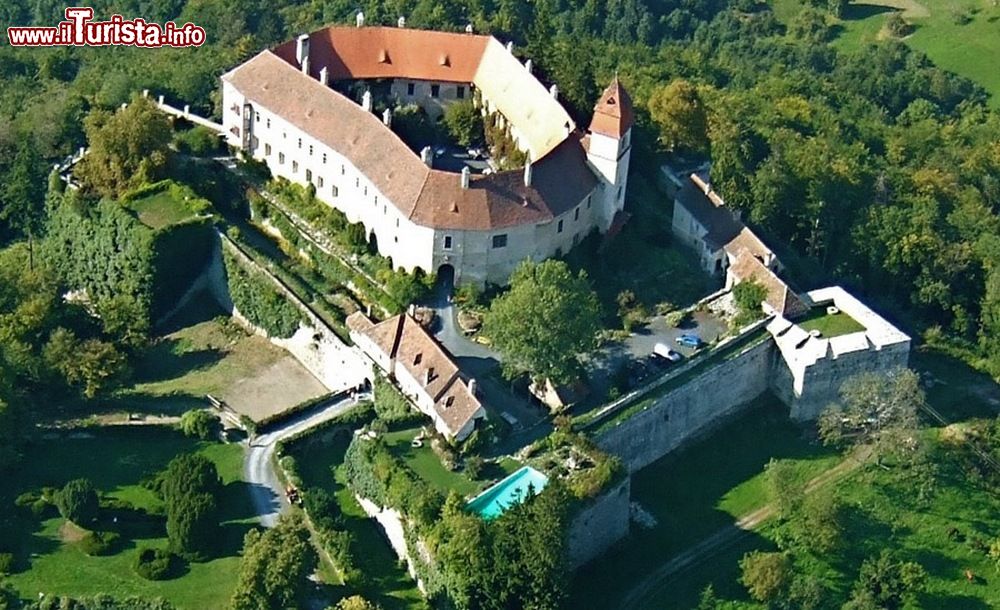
pixel 495 500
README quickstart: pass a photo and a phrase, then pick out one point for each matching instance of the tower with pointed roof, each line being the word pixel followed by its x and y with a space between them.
pixel 609 147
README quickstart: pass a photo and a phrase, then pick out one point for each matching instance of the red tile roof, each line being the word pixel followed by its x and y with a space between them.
pixel 560 180
pixel 613 114
pixel 387 52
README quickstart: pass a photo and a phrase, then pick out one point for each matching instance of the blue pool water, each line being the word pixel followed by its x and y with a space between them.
pixel 512 490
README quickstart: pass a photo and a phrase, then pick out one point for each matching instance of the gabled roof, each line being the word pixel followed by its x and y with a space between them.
pixel 613 114
pixel 403 340
pixel 724 229
pixel 780 298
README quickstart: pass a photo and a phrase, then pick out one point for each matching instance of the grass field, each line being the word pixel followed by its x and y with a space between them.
pixel 319 465
pixel 160 209
pixel 958 35
pixel 117 459
pixel 204 353
pixel 427 465
pixel 698 491
pixel 830 325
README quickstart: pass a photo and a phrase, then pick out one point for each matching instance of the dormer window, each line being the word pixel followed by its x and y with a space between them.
pixel 450 401
pixel 417 359
pixel 445 61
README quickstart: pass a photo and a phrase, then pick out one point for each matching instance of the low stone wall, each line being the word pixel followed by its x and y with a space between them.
pixel 691 409
pixel 600 524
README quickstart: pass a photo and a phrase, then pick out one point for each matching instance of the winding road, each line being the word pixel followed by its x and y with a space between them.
pixel 266 489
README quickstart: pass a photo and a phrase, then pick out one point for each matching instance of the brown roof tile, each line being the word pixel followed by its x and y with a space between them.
pixel 613 114
pixel 387 52
pixel 780 297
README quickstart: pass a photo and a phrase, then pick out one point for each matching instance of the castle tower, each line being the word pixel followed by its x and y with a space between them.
pixel 610 148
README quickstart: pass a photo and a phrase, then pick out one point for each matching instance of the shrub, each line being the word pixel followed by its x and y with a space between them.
pixel 6 563
pixel 474 466
pixel 156 564
pixel 256 297
pixel 200 423
pixel 675 318
pixel 322 509
pixel 77 501
pixel 98 543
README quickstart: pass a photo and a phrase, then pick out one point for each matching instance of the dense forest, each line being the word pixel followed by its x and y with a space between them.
pixel 873 168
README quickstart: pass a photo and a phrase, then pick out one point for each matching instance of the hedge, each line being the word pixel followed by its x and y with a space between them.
pixel 256 297
pixel 305 405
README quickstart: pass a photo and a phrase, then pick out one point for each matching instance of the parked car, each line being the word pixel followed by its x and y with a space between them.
pixel 663 352
pixel 689 340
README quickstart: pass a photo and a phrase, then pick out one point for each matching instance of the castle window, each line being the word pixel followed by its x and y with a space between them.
pixel 324 158
pixel 435 90
pixel 342 169
pixel 357 182
pixel 333 190
pixel 447 242
pixel 385 210
pixel 281 158
pixel 310 150
pixel 397 223
pixel 559 228
pixel 300 142
pixel 268 123
pixel 576 214
pixel 295 166
pixel 500 241
pixel 257 117
pixel 267 149
pixel 366 194
pixel 460 92
pixel 588 201
pixel 410 87
pixel 309 175
pixel 319 181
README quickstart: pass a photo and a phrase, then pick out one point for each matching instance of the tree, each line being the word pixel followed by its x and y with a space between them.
pixel 275 566
pixel 199 423
pixel 767 576
pixel 127 148
pixel 879 410
pixel 190 486
pixel 464 122
pixel 896 25
pixel 679 113
pixel 545 321
pixel 22 196
pixel 784 491
pixel 886 583
pixel 78 502
pixel 93 364
pixel 355 602
pixel 749 294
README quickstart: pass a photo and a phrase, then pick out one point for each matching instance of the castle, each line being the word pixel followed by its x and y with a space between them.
pixel 290 107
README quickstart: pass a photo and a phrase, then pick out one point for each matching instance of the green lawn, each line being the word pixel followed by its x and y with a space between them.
pixel 941 31
pixel 830 325
pixel 698 491
pixel 427 465
pixel 160 209
pixel 201 353
pixel 319 464
pixel 117 459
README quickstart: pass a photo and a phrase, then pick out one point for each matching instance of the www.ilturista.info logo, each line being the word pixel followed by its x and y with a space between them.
pixel 79 29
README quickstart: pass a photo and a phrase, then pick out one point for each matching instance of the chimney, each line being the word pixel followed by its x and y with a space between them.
pixel 528 65
pixel 324 76
pixel 411 310
pixel 145 93
pixel 465 177
pixel 360 19
pixel 302 48
pixel 401 22
pixel 305 66
pixel 472 386
pixel 387 117
pixel 366 101
pixel 510 46
pixel 427 156
pixel 554 91
pixel 527 172
pixel 468 28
